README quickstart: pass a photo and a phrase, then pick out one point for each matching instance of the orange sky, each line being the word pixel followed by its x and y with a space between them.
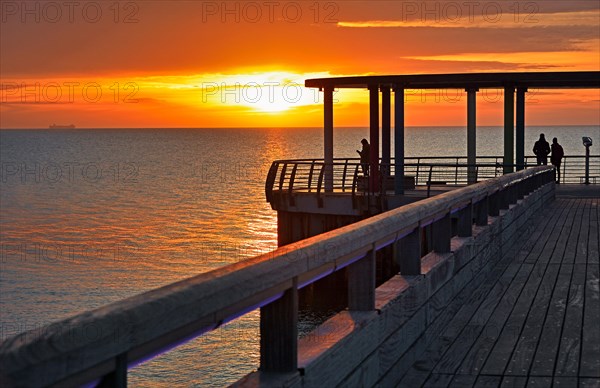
pixel 236 64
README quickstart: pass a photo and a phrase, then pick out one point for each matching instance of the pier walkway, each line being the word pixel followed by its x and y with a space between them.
pixel 534 321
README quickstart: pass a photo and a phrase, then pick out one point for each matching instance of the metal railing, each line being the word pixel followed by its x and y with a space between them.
pixel 99 346
pixel 453 169
pixel 308 175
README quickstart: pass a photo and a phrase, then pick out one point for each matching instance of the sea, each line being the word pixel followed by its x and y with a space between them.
pixel 92 216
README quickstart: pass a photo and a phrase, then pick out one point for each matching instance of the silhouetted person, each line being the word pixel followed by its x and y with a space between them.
pixel 556 157
pixel 364 156
pixel 541 149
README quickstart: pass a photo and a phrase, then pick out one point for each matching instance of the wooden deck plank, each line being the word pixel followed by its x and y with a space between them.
pixel 570 344
pixel 535 243
pixel 594 235
pixel 477 355
pixel 501 353
pixel 488 381
pixel 547 350
pixel 463 381
pixel 590 345
pixel 537 325
pixel 504 347
pixel 562 239
pixel 588 382
pixel 436 380
pixel 528 341
pixel 560 212
pixel 514 382
pixel 583 238
pixel 573 240
pixel 438 348
pixel 566 382
pixel 484 327
pixel 539 382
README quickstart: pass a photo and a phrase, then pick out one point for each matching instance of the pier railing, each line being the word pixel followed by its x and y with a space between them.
pixel 453 170
pixel 307 175
pixel 99 346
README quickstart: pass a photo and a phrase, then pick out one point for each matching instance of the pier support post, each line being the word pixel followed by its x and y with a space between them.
pixel 465 222
pixel 328 137
pixel 441 232
pixel 410 253
pixel 361 283
pixel 509 128
pixel 374 137
pixel 386 124
pixel 471 135
pixel 398 140
pixel 279 333
pixel 520 145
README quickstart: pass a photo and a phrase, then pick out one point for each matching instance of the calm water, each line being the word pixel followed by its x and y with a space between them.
pixel 92 216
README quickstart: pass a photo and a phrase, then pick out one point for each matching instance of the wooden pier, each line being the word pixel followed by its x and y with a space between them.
pixel 497 280
pixel 374 341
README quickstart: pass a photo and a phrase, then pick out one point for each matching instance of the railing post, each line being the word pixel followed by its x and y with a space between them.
pixel 310 175
pixel 441 232
pixel 465 222
pixel 503 198
pixel 494 205
pixel 481 218
pixel 118 377
pixel 513 194
pixel 409 253
pixel 279 333
pixel 282 176
pixel 361 283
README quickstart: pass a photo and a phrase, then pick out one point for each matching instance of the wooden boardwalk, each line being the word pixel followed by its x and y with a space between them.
pixel 535 321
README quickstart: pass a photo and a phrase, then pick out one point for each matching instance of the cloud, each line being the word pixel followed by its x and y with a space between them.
pixel 566 19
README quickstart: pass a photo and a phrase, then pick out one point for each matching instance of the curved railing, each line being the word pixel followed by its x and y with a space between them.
pixel 99 346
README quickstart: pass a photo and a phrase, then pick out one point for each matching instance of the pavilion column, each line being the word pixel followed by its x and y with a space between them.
pixel 509 128
pixel 374 137
pixel 328 138
pixel 520 146
pixel 471 135
pixel 398 140
pixel 385 130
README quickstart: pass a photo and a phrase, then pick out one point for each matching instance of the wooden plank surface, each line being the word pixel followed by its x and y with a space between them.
pixel 594 235
pixel 570 344
pixel 476 357
pixel 528 340
pixel 590 345
pixel 537 324
pixel 546 353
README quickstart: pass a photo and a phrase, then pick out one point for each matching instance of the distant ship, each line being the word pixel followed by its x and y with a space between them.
pixel 59 126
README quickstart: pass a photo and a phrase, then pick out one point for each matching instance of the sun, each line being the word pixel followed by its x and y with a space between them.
pixel 261 92
pixel 275 106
